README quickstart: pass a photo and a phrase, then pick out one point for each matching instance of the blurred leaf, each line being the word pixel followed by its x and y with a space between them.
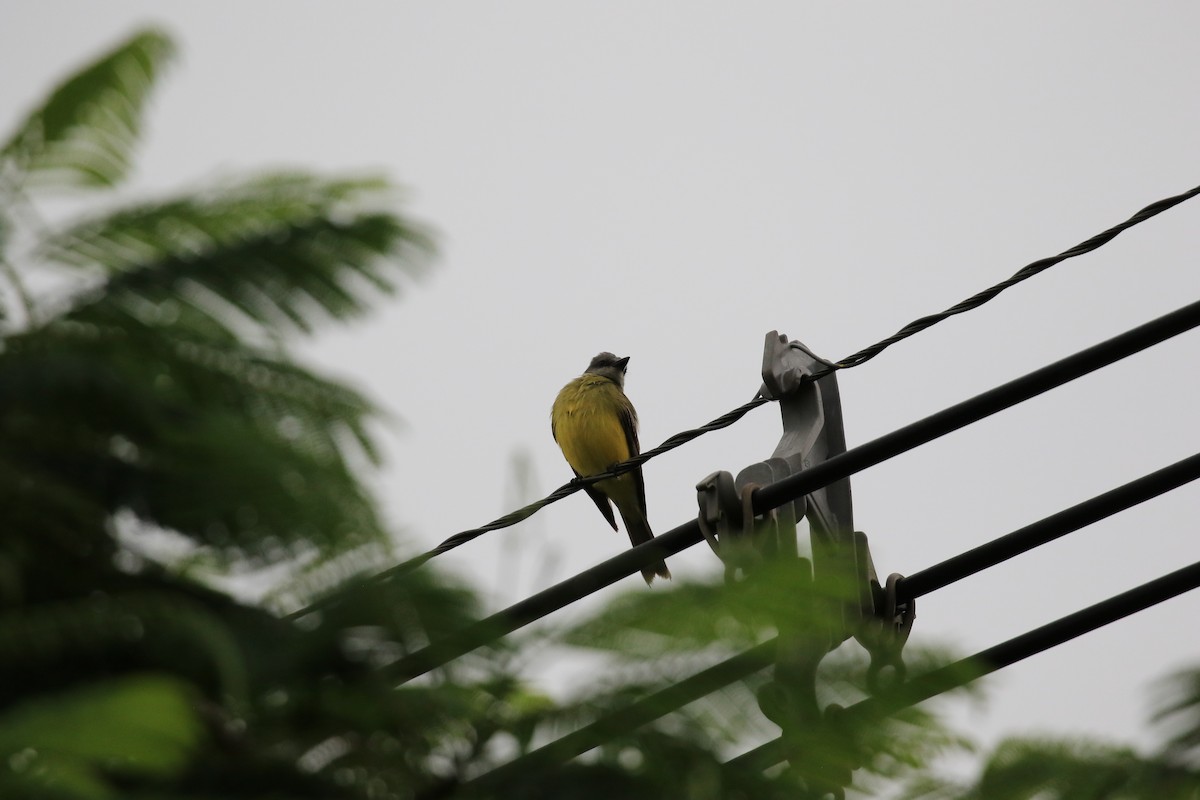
pixel 266 252
pixel 43 646
pixel 238 448
pixel 1052 769
pixel 698 615
pixel 83 135
pixel 413 607
pixel 1177 713
pixel 136 725
pixel 50 777
pixel 1065 769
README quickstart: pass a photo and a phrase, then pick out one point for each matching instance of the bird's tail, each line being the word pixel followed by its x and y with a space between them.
pixel 639 532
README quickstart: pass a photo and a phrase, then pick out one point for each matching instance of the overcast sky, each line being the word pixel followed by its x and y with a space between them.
pixel 670 181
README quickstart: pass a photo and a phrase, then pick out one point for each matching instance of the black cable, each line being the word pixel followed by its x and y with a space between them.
pixel 976 300
pixel 636 714
pixel 985 662
pixel 982 405
pixel 1048 529
pixel 727 419
pixel 538 605
pixel 918 584
pixel 525 512
pixel 854 360
pixel 567 489
pixel 788 489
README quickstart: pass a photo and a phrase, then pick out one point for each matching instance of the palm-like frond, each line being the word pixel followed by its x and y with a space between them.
pixel 269 251
pixel 698 614
pixel 1178 716
pixel 1024 769
pixel 141 392
pixel 84 133
pixel 142 725
pixel 153 627
pixel 237 448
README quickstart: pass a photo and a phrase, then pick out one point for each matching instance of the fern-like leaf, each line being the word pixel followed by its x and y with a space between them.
pixel 237 448
pixel 84 133
pixel 269 251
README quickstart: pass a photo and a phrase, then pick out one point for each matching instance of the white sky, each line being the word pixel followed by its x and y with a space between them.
pixel 670 182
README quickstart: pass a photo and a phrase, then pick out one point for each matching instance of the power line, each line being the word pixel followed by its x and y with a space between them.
pixel 982 405
pixel 1025 273
pixel 923 687
pixel 733 416
pixel 568 489
pixel 746 663
pixel 637 713
pixel 861 357
pixel 985 662
pixel 1048 529
pixel 774 495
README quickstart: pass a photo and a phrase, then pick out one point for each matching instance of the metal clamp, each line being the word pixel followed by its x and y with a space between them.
pixel 721 517
pixel 729 526
pixel 813 432
pixel 885 635
pixel 834 595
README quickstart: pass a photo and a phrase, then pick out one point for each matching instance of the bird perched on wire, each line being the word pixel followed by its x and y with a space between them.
pixel 596 426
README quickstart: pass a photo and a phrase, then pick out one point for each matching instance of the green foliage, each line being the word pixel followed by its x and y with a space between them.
pixel 1042 768
pixel 691 616
pixel 154 381
pixel 1177 714
pixel 235 447
pixel 150 395
pixel 137 725
pixel 84 133
pixel 1048 769
pixel 656 639
pixel 268 251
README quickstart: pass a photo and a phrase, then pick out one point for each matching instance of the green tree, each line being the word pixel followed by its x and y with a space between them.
pixel 146 394
pixel 1046 768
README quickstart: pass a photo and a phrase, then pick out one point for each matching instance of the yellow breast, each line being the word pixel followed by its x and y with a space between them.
pixel 587 424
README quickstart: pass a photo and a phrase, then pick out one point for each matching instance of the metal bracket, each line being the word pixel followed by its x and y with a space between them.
pixel 720 510
pixel 729 526
pixel 885 635
pixel 840 583
pixel 813 432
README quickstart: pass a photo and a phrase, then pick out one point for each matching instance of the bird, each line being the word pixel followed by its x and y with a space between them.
pixel 595 425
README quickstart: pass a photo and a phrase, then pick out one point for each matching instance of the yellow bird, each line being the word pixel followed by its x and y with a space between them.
pixel 596 426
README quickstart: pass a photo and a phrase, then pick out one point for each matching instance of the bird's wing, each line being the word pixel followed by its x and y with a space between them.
pixel 630 424
pixel 601 502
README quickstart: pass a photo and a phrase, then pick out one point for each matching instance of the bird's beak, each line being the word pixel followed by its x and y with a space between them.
pixel 623 362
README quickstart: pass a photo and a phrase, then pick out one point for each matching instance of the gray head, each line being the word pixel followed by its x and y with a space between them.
pixel 609 366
